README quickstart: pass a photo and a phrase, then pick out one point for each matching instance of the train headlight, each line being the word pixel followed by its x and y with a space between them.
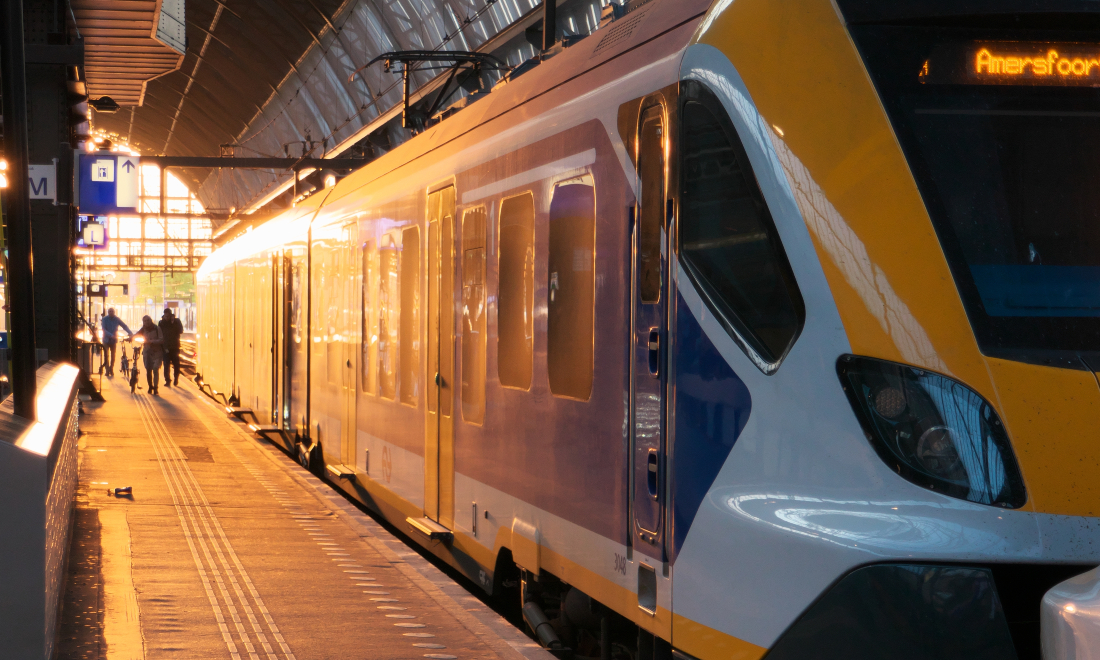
pixel 934 431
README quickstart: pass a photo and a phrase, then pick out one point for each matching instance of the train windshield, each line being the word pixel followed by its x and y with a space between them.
pixel 1002 131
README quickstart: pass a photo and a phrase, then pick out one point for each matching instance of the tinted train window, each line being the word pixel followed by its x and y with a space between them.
pixel 473 315
pixel 571 290
pixel 297 323
pixel 331 291
pixel 728 242
pixel 410 316
pixel 999 127
pixel 370 319
pixel 651 169
pixel 516 295
pixel 388 304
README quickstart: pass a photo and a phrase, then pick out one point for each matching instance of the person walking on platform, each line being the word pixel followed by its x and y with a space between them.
pixel 153 352
pixel 171 329
pixel 111 324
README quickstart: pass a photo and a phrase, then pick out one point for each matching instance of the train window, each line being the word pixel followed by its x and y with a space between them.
pixel 388 262
pixel 1000 132
pixel 728 243
pixel 516 292
pixel 331 292
pixel 651 171
pixel 473 315
pixel 571 290
pixel 410 316
pixel 370 319
pixel 296 307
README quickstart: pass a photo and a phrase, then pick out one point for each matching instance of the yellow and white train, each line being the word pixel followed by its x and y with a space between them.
pixel 734 329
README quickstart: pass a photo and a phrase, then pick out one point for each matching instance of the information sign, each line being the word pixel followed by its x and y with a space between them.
pixel 95 235
pixel 92 232
pixel 108 183
pixel 43 182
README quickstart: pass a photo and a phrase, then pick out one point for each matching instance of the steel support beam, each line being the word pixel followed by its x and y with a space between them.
pixel 20 268
pixel 549 24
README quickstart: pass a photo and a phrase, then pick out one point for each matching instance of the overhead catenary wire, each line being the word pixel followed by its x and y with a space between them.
pixel 378 96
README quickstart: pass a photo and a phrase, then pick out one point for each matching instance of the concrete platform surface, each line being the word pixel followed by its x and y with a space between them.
pixel 226 548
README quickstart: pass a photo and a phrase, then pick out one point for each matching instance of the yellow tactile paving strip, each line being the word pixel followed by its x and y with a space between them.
pixel 236 552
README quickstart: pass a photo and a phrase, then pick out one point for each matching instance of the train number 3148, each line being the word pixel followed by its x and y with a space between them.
pixel 620 563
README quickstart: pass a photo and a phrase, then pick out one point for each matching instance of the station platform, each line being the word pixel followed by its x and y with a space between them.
pixel 226 548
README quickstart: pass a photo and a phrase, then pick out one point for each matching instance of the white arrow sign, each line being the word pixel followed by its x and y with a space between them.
pixel 126 188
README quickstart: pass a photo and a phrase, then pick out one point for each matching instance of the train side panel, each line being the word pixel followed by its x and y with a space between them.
pixel 541 469
pixel 518 467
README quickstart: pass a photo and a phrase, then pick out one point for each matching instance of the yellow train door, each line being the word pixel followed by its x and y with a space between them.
pixel 439 464
pixel 349 331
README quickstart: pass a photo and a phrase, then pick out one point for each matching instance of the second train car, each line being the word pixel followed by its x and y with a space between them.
pixel 760 328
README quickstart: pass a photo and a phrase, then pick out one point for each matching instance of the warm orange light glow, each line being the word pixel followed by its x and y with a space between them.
pixel 51 405
pixel 1051 66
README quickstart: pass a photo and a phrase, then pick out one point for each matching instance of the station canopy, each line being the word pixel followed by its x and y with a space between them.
pixel 275 78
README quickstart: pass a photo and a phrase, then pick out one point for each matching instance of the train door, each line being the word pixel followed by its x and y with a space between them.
pixel 260 342
pixel 349 331
pixel 439 443
pixel 649 332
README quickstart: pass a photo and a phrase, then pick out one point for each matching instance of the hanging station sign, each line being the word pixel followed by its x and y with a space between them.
pixel 108 184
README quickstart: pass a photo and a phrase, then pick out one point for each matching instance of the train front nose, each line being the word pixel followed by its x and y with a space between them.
pixel 1026 438
pixel 1004 160
pixel 1051 416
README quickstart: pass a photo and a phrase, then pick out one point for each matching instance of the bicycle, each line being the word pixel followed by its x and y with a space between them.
pixel 135 370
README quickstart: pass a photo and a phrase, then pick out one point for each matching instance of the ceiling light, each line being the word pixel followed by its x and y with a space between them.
pixel 105 104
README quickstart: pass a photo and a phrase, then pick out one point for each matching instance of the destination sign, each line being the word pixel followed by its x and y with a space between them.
pixel 1014 63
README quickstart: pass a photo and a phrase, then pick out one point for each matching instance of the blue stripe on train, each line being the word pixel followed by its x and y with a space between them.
pixel 712 408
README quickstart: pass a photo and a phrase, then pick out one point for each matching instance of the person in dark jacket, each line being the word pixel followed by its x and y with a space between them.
pixel 170 329
pixel 111 324
pixel 153 351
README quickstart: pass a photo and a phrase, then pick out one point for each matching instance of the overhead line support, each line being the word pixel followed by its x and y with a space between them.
pixel 20 266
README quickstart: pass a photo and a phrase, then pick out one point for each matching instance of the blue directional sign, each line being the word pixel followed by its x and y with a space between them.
pixel 92 232
pixel 108 183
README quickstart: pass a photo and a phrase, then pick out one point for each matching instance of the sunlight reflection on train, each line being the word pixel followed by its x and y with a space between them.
pixel 871 526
